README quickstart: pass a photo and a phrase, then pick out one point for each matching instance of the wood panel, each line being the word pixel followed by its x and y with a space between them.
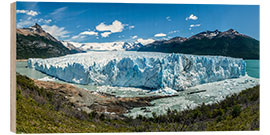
pixel 13 67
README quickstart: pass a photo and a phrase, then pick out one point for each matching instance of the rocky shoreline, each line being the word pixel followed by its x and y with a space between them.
pixel 102 103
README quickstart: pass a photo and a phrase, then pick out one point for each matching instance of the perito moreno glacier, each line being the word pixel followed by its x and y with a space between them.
pixel 140 69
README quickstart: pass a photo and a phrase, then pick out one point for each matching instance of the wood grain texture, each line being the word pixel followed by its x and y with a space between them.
pixel 13 67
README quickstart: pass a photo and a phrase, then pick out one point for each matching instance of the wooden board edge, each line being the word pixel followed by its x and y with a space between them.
pixel 13 67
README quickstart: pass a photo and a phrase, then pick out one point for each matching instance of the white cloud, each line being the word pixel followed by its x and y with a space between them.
pixel 31 21
pixel 121 36
pixel 145 41
pixel 83 35
pixel 58 32
pixel 160 35
pixel 21 11
pixel 78 37
pixel 43 20
pixel 24 23
pixel 27 12
pixel 174 31
pixel 32 13
pixel 75 37
pixel 48 21
pixel 195 25
pixel 105 34
pixel 115 27
pixel 192 17
pixel 89 33
pixel 134 36
pixel 58 11
pixel 168 18
pixel 131 27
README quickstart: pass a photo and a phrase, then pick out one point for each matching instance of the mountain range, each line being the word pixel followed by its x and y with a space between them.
pixel 34 42
pixel 112 46
pixel 228 43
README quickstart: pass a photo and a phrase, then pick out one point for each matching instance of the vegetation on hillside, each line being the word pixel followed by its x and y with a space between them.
pixel 35 46
pixel 238 47
pixel 41 111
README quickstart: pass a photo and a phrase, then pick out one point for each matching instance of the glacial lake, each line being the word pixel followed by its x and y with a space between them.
pixel 253 70
pixel 215 91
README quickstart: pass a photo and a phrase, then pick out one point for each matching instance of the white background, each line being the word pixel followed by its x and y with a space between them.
pixel 264 59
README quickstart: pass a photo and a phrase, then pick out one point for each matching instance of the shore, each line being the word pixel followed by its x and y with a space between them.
pixel 89 101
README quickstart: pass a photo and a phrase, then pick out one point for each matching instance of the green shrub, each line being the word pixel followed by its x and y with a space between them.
pixel 236 110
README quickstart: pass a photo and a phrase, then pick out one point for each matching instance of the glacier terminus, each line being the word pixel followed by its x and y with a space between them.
pixel 149 70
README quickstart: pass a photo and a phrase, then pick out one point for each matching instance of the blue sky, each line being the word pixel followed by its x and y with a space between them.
pixel 107 22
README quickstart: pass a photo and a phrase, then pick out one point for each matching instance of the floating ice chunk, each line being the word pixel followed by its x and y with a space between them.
pixel 165 91
pixel 46 79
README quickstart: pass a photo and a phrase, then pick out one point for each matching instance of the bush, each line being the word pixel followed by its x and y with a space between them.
pixel 236 110
pixel 217 112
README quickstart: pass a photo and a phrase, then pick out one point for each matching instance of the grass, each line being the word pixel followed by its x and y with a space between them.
pixel 42 111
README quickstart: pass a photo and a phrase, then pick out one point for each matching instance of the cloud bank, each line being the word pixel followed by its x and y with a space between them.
pixel 58 32
pixel 27 12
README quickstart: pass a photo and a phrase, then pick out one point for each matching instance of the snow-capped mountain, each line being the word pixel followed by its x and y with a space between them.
pixel 227 43
pixel 36 30
pixel 110 46
pixel 34 42
pixel 71 47
pixel 217 34
pixel 206 34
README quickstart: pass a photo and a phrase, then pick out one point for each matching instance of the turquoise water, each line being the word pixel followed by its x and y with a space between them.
pixel 21 67
pixel 253 68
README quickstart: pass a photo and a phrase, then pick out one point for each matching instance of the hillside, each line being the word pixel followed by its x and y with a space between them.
pixel 34 42
pixel 41 110
pixel 228 43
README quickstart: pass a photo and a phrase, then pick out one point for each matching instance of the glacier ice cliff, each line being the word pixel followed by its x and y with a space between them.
pixel 140 69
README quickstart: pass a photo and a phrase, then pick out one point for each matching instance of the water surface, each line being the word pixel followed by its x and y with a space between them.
pixel 253 68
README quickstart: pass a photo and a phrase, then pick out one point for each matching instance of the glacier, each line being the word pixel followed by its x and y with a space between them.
pixel 149 70
pixel 110 46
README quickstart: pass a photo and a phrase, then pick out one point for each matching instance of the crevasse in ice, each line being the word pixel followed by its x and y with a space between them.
pixel 140 69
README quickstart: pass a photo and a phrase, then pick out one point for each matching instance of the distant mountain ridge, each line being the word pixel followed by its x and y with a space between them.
pixel 71 47
pixel 34 42
pixel 112 46
pixel 228 43
pixel 36 30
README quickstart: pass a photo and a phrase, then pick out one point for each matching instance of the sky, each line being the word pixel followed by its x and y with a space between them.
pixel 110 22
